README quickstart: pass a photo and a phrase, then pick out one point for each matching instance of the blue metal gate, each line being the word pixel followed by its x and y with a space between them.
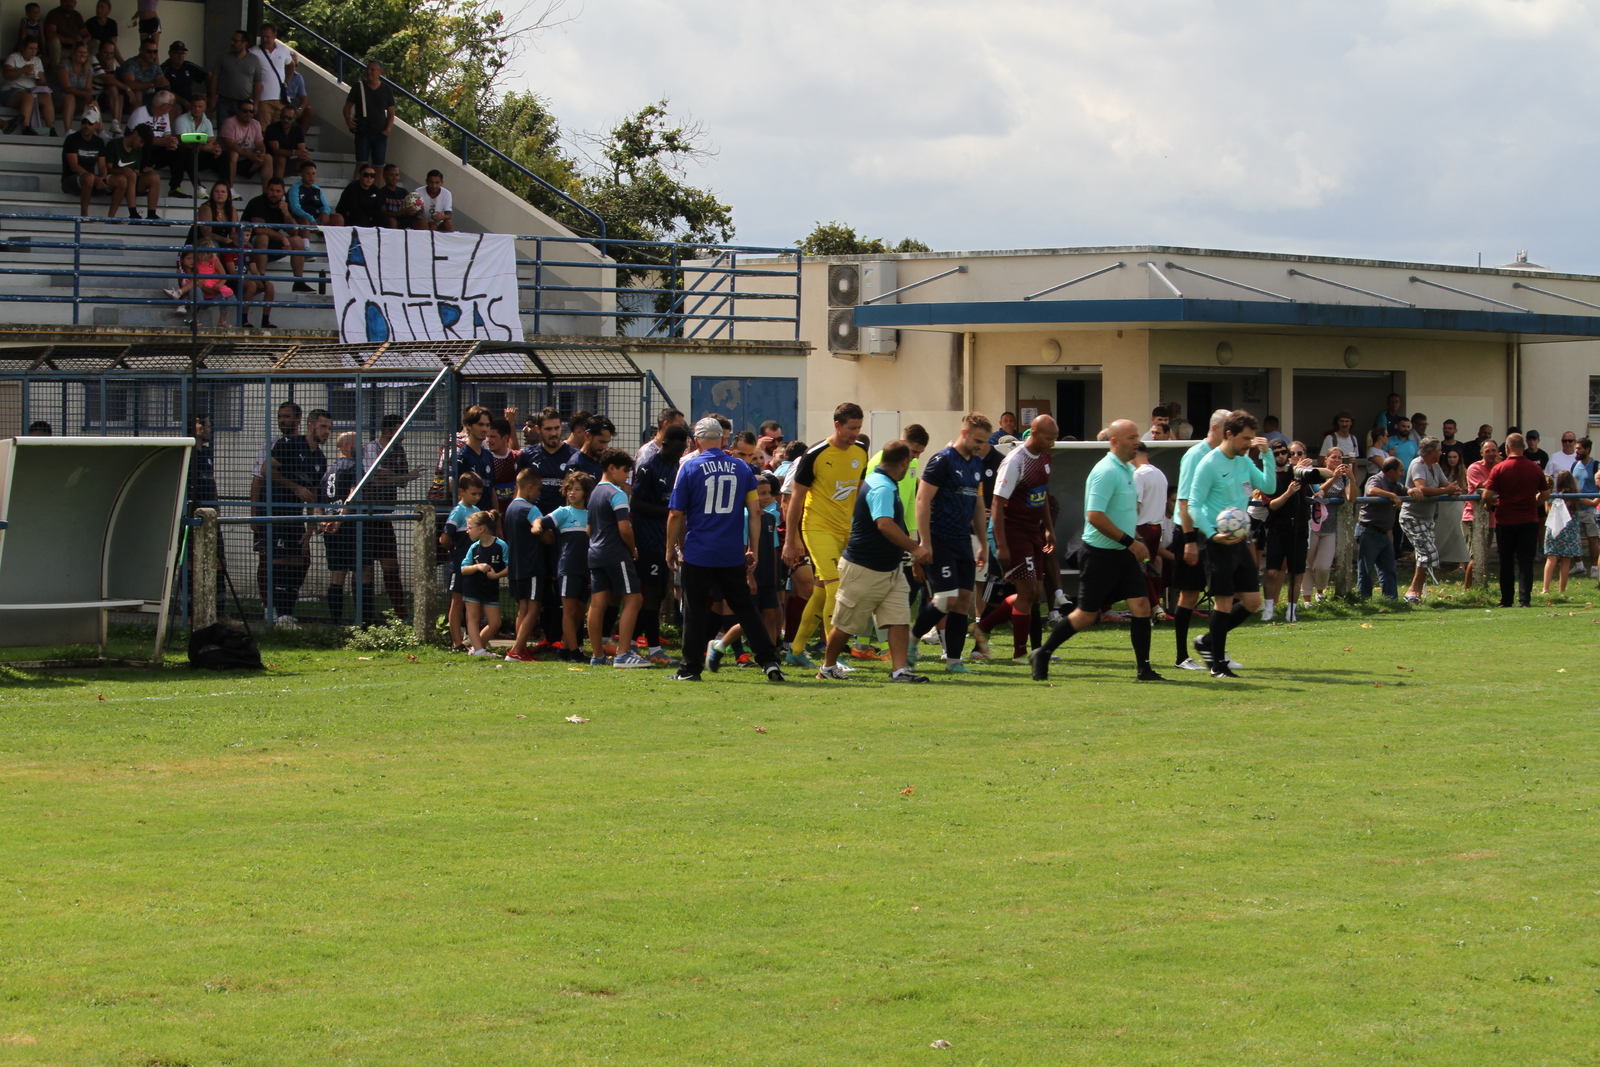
pixel 748 402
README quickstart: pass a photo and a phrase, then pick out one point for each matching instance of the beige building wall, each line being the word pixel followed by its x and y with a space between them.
pixel 1555 389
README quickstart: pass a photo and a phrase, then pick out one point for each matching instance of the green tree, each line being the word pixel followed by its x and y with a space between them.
pixel 837 239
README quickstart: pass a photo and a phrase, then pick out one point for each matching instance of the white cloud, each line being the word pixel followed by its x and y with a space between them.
pixel 1428 129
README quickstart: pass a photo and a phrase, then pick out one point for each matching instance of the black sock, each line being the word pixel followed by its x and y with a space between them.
pixel 1180 622
pixel 1219 638
pixel 1141 641
pixel 650 625
pixel 1238 614
pixel 369 610
pixel 335 603
pixel 927 619
pixel 1035 626
pixel 955 635
pixel 1059 635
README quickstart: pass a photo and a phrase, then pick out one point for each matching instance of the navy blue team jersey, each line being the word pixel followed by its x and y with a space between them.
pixel 958 481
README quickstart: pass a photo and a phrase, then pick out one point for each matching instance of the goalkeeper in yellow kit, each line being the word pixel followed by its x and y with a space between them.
pixel 826 480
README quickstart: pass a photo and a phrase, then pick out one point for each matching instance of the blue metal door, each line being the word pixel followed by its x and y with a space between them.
pixel 748 402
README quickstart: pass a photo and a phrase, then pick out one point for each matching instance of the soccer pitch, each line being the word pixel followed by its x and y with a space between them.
pixel 1377 845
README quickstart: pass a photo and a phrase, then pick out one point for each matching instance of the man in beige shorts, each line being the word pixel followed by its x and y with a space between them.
pixel 872 581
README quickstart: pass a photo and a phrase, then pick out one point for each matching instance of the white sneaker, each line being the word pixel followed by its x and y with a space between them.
pixel 481 652
pixel 1189 664
pixel 1266 611
pixel 286 622
pixel 835 673
pixel 173 294
pixel 932 637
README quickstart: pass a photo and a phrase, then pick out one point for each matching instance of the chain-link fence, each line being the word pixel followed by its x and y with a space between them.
pixel 285 433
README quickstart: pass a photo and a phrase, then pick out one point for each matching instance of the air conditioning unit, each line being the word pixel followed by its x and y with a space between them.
pixel 851 284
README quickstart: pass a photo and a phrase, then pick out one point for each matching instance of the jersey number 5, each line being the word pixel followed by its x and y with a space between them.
pixel 721 492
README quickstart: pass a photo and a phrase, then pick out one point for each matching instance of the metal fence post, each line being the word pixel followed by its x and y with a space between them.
pixel 424 576
pixel 203 556
pixel 1479 548
pixel 1344 549
pixel 77 267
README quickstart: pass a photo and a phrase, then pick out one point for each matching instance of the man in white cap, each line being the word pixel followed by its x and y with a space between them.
pixel 713 530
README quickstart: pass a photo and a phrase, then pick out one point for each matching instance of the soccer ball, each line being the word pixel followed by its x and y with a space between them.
pixel 414 203
pixel 1232 521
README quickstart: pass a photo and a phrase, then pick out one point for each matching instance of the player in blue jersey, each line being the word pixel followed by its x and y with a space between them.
pixel 482 567
pixel 1112 556
pixel 525 558
pixel 1221 480
pixel 567 527
pixel 952 521
pixel 613 576
pixel 469 490
pixel 1188 569
pixel 713 538
pixel 549 455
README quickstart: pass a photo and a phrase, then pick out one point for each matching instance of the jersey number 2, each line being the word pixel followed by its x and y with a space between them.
pixel 721 489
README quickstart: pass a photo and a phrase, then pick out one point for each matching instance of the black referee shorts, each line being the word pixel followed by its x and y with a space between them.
pixel 1231 569
pixel 1109 575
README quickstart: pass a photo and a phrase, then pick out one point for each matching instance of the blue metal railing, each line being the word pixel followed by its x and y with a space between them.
pixel 687 273
pixel 468 138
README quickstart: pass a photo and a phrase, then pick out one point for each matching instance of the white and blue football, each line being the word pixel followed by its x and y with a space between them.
pixel 1231 522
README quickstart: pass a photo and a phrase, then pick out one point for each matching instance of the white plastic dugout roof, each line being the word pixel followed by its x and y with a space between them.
pixel 87 525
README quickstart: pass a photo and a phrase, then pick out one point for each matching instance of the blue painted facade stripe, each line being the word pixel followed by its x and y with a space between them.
pixel 1223 313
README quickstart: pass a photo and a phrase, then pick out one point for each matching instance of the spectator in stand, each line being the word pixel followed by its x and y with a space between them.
pixel 142 74
pixel 1160 425
pixel 385 457
pixel 189 159
pixel 63 28
pixel 102 28
pixel 110 92
pixel 1447 531
pixel 244 145
pixel 294 92
pixel 272 227
pixel 26 89
pixel 1342 437
pixel 1403 444
pixel 1374 534
pixel 129 174
pixel 360 204
pixel 1449 444
pixel 148 21
pixel 1472 451
pixel 397 213
pixel 199 262
pixel 1377 448
pixel 1269 430
pixel 438 206
pixel 652 491
pixel 187 81
pixel 1182 429
pixel 1323 527
pixel 218 208
pixel 1426 480
pixel 295 482
pixel 1008 428
pixel 83 165
pixel 285 141
pixel 1563 545
pixel 1389 418
pixel 1419 426
pixel 668 418
pixel 369 115
pixel 40 428
pixel 74 88
pixel 162 151
pixel 1563 460
pixel 31 28
pixel 1477 475
pixel 238 80
pixel 1514 492
pixel 307 203
pixel 1534 452
pixel 274 58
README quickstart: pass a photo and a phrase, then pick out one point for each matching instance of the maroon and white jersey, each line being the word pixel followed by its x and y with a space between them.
pixel 1024 484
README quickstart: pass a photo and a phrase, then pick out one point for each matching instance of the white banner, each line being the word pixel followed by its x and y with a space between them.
pixel 419 285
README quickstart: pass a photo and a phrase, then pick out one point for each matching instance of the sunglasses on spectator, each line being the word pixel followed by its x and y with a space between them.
pixel 1296 452
pixel 368 174
pixel 1569 440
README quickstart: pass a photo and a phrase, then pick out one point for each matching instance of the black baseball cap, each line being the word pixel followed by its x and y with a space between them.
pixel 178 46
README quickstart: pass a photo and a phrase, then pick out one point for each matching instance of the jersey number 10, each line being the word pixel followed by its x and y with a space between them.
pixel 721 492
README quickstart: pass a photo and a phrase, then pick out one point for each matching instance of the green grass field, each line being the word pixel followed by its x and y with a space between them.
pixel 1378 846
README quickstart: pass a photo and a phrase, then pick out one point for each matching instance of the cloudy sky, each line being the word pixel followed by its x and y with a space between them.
pixel 1417 129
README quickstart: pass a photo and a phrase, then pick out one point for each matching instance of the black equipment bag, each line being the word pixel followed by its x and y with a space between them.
pixel 220 647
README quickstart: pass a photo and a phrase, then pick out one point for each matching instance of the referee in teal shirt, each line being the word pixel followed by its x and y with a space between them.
pixel 1112 556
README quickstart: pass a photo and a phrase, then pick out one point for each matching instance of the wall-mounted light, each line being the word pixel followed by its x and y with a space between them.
pixel 1352 357
pixel 1050 351
pixel 1224 353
